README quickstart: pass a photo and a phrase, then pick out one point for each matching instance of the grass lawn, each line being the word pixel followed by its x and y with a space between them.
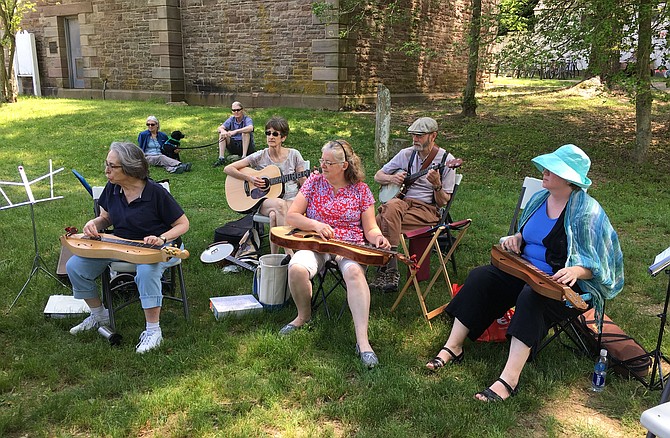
pixel 237 377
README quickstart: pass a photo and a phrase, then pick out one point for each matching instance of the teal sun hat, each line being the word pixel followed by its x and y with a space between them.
pixel 569 162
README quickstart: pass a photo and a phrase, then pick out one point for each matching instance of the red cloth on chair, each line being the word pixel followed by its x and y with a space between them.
pixel 497 331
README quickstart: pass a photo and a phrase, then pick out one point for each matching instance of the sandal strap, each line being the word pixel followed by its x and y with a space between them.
pixel 437 362
pixel 490 395
pixel 456 359
pixel 511 391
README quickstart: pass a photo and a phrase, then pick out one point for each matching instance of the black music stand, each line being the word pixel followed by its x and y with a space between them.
pixel 658 378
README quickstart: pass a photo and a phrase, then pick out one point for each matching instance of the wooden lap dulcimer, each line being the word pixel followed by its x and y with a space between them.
pixel 539 281
pixel 292 238
pixel 112 247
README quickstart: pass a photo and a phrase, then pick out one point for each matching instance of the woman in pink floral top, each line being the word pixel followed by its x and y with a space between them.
pixel 335 204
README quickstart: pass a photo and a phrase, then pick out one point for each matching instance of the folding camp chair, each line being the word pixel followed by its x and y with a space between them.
pixel 118 280
pixel 324 289
pixel 445 248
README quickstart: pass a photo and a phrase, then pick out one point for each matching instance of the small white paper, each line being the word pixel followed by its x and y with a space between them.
pixel 61 306
pixel 234 305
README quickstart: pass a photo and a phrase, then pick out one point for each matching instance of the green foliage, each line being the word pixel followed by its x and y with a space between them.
pixel 11 13
pixel 515 16
pixel 237 377
pixel 377 18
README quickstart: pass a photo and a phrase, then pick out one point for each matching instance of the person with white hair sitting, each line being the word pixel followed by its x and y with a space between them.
pixel 151 142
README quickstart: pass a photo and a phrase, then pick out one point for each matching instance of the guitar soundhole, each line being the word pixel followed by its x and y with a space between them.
pixel 258 193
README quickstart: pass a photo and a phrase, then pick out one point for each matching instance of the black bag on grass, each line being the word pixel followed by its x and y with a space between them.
pixel 620 347
pixel 232 232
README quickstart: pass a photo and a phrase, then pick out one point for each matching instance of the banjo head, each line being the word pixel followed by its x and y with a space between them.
pixel 216 252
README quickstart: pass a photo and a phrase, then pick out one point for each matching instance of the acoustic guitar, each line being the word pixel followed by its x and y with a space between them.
pixel 538 280
pixel 243 196
pixel 292 238
pixel 390 191
pixel 112 247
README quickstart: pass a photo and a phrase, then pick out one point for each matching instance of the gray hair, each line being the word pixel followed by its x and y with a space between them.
pixel 131 158
pixel 154 119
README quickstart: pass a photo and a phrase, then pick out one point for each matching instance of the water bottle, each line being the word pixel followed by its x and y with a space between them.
pixel 599 372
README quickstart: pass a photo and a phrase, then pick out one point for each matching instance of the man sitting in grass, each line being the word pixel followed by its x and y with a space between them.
pixel 236 135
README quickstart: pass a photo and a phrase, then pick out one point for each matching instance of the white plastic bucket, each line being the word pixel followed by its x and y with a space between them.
pixel 271 281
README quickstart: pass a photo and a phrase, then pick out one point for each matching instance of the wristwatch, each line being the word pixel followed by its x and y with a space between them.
pixel 164 239
pixel 437 188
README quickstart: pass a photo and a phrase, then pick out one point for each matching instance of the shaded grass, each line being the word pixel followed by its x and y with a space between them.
pixel 237 377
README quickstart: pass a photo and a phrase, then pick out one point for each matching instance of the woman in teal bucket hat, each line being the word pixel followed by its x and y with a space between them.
pixel 565 233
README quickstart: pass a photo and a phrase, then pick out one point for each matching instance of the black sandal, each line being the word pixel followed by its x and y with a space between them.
pixel 437 362
pixel 492 396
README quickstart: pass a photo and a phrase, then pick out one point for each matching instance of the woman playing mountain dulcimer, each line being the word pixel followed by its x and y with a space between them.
pixel 335 204
pixel 565 233
pixel 139 209
pixel 287 159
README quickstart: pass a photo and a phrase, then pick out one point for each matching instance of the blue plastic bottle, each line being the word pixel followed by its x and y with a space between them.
pixel 599 372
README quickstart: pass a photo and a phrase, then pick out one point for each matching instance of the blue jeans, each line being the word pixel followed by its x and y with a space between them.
pixel 83 272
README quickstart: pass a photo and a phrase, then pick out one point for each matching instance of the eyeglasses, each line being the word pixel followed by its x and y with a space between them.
pixel 273 133
pixel 323 162
pixel 151 124
pixel 236 110
pixel 112 166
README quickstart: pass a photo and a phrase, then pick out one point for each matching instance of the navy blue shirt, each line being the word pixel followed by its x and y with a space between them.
pixel 153 213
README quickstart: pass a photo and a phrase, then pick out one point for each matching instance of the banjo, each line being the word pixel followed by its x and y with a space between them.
pixel 390 191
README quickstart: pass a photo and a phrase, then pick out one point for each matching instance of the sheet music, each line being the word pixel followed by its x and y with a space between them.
pixel 661 262
pixel 662 256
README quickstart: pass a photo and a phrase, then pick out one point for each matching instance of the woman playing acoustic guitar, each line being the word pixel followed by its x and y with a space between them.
pixel 287 159
pixel 335 204
pixel 563 232
pixel 139 209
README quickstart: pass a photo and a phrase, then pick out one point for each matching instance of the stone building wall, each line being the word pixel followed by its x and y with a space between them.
pixel 264 52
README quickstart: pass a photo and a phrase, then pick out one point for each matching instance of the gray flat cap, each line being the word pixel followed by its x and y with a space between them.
pixel 423 125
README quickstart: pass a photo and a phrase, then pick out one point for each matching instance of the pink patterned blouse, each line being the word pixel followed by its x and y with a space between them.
pixel 342 211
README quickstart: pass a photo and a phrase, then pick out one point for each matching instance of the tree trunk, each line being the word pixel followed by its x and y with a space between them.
pixel 469 104
pixel 643 97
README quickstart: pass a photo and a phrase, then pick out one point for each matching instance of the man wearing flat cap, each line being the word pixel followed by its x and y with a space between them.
pixel 423 197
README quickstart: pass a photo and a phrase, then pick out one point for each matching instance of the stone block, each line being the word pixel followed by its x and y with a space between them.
pixel 329 45
pixel 168 12
pixel 64 10
pixel 91 72
pixel 173 3
pixel 169 37
pixel 171 61
pixel 339 60
pixel 329 74
pixel 51 32
pixel 88 51
pixel 165 25
pixel 166 49
pixel 167 73
pixel 86 29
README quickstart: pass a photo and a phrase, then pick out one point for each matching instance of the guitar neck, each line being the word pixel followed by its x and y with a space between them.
pixel 289 177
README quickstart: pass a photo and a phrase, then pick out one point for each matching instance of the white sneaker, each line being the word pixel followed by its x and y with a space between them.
pixel 90 323
pixel 149 341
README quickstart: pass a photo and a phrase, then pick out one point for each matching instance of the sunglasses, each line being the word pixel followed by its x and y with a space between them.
pixel 151 124
pixel 273 133
pixel 237 110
